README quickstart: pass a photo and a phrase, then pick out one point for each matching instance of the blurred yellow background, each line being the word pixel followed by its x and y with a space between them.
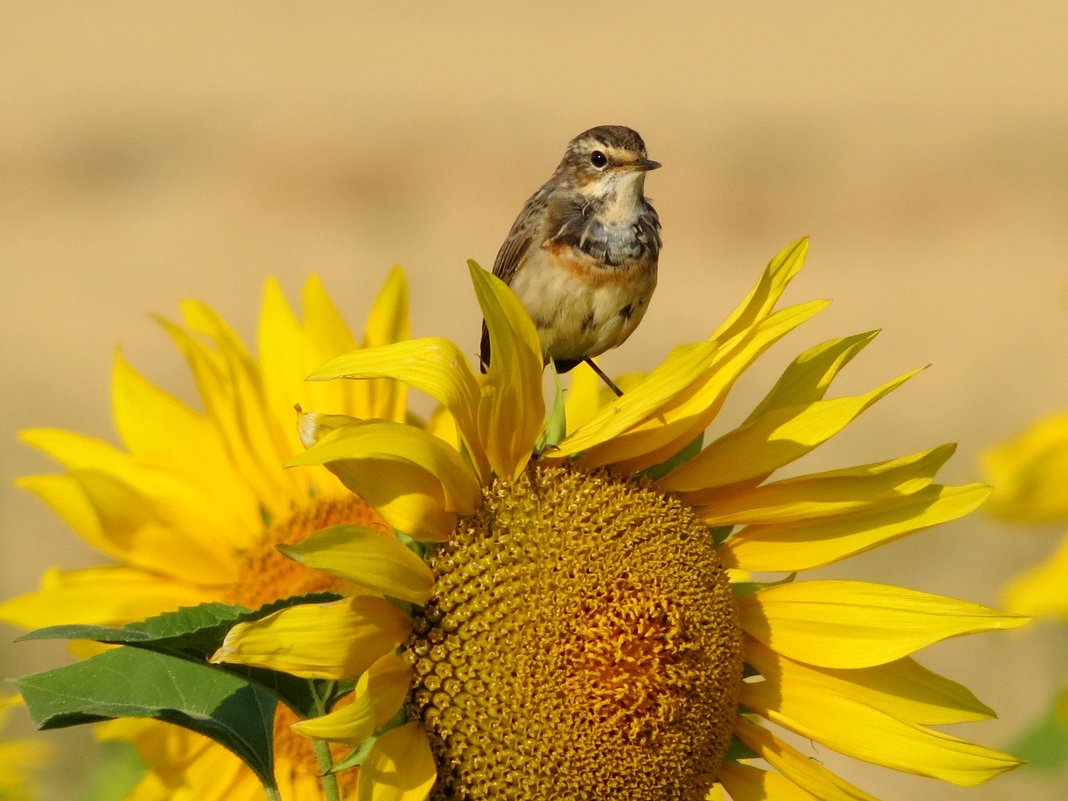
pixel 152 152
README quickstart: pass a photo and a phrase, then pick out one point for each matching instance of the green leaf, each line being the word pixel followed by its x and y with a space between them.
pixel 720 534
pixel 139 683
pixel 356 757
pixel 691 450
pixel 191 630
pixel 308 698
pixel 1045 744
pixel 196 632
pixel 743 589
pixel 738 750
pixel 556 423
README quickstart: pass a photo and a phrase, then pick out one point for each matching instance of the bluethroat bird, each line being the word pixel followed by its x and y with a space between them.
pixel 582 254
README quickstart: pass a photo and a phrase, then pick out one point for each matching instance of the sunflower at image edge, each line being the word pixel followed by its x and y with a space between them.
pixel 193 507
pixel 1029 473
pixel 20 759
pixel 582 624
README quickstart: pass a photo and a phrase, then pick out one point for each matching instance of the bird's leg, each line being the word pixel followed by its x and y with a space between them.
pixel 605 378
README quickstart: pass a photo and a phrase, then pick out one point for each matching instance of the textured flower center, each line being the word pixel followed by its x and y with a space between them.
pixel 581 644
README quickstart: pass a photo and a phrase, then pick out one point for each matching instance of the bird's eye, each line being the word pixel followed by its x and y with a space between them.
pixel 598 159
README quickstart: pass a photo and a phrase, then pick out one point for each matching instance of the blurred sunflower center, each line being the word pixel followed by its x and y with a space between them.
pixel 266 575
pixel 582 643
pixel 298 752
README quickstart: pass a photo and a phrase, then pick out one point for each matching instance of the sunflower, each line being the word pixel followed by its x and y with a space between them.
pixel 586 620
pixel 17 758
pixel 1029 473
pixel 193 507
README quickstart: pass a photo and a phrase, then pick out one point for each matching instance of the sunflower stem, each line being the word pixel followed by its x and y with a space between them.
pixel 321 691
pixel 331 792
pixel 556 423
pixel 273 793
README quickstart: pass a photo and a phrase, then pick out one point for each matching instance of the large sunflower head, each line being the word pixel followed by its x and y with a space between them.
pixel 195 503
pixel 609 609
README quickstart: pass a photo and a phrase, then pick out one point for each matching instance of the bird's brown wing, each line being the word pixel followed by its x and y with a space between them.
pixel 513 252
pixel 525 229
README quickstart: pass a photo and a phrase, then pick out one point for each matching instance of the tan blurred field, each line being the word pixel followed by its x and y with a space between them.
pixel 152 152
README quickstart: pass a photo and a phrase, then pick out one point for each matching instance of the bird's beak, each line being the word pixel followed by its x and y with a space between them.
pixel 646 164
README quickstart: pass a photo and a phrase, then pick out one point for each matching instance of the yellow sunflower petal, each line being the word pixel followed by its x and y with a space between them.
pixel 387 323
pixel 327 330
pixel 388 681
pixel 177 510
pixel 235 401
pixel 133 728
pixel 160 525
pixel 1040 591
pixel 588 395
pixel 584 396
pixel 215 524
pixel 809 376
pixel 817 494
pixel 204 771
pixel 432 365
pixel 1029 473
pixel 415 480
pixel 76 451
pixel 144 517
pixel 318 641
pixel 100 595
pixel 762 298
pixel 388 319
pixel 688 412
pixel 903 688
pixel 854 624
pixel 378 696
pixel 65 497
pixel 746 333
pixel 288 349
pixel 806 773
pixel 17 759
pixel 7 702
pixel 681 368
pixel 279 334
pixel 400 767
pixel 772 440
pixel 339 438
pixel 442 425
pixel 328 336
pixel 799 701
pixel 511 408
pixel 371 558
pixel 835 534
pixel 746 783
pixel 159 429
pixel 407 496
pixel 313 426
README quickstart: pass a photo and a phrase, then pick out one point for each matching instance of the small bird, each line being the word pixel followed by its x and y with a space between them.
pixel 582 254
